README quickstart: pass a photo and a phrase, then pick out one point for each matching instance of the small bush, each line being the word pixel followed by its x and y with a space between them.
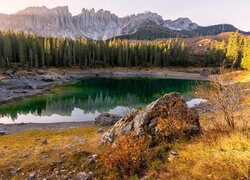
pixel 129 156
pixel 134 178
pixel 223 96
pixel 155 165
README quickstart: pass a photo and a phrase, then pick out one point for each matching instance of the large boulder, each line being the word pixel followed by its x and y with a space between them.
pixel 168 116
pixel 106 119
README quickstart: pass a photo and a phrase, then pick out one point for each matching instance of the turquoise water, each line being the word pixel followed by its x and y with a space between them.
pixel 84 100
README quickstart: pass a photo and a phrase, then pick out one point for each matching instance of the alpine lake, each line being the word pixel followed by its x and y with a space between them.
pixel 85 99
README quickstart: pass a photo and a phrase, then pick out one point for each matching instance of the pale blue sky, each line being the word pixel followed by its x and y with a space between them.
pixel 203 12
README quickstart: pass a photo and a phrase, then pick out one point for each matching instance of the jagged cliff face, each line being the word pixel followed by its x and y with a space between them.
pixel 181 24
pixel 55 22
pixel 100 25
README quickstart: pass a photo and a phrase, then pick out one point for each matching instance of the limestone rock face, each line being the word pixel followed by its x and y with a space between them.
pixel 40 20
pixel 97 25
pixel 171 110
pixel 181 24
pixel 101 24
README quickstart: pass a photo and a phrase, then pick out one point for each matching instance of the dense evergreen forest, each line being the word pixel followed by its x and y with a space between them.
pixel 36 51
pixel 23 50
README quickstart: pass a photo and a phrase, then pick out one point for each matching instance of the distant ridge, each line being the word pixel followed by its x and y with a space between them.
pixel 103 25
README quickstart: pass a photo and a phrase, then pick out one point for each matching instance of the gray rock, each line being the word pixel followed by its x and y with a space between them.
pixel 84 176
pixel 45 142
pixel 173 153
pixel 2 133
pixel 17 171
pixel 40 72
pixel 48 78
pixel 144 178
pixel 23 157
pixel 91 159
pixel 215 71
pixel 171 107
pixel 21 87
pixel 107 119
pixel 79 139
pixel 10 72
pixel 32 73
pixel 32 176
pixel 100 130
pixel 205 73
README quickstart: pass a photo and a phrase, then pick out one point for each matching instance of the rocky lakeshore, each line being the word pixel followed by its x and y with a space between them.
pixel 15 128
pixel 17 84
pixel 143 124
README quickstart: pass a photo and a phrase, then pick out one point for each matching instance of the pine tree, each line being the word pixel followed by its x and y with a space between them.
pixel 233 50
pixel 7 51
pixel 36 51
pixel 246 54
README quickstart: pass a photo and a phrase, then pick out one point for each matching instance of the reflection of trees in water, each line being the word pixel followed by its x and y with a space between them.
pixel 98 94
pixel 90 105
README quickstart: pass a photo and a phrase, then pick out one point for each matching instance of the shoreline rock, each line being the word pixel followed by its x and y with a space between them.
pixel 106 119
pixel 2 133
pixel 169 113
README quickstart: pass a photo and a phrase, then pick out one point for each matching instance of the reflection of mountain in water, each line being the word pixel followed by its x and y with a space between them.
pixel 98 94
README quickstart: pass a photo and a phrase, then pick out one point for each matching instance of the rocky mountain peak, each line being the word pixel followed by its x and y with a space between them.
pixel 63 10
pixel 149 16
pixel 100 24
pixel 181 24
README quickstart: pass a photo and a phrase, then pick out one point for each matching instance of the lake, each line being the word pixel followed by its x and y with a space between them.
pixel 85 99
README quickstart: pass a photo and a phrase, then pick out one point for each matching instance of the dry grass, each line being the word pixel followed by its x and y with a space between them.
pixel 127 158
pixel 25 150
pixel 226 157
pixel 241 76
pixel 219 153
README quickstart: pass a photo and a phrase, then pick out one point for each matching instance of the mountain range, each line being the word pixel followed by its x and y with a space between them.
pixel 103 25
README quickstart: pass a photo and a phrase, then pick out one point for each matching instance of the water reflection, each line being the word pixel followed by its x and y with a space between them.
pixel 86 99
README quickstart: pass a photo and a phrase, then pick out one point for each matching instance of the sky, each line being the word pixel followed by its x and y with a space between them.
pixel 202 12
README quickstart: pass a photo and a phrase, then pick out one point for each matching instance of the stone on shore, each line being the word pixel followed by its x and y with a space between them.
pixel 2 133
pixel 48 78
pixel 169 112
pixel 107 119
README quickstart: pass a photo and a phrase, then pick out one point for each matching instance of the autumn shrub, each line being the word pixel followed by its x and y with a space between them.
pixel 223 97
pixel 169 129
pixel 126 158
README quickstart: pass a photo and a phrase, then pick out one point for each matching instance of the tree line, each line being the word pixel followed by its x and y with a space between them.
pixel 26 50
pixel 32 51
pixel 233 53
